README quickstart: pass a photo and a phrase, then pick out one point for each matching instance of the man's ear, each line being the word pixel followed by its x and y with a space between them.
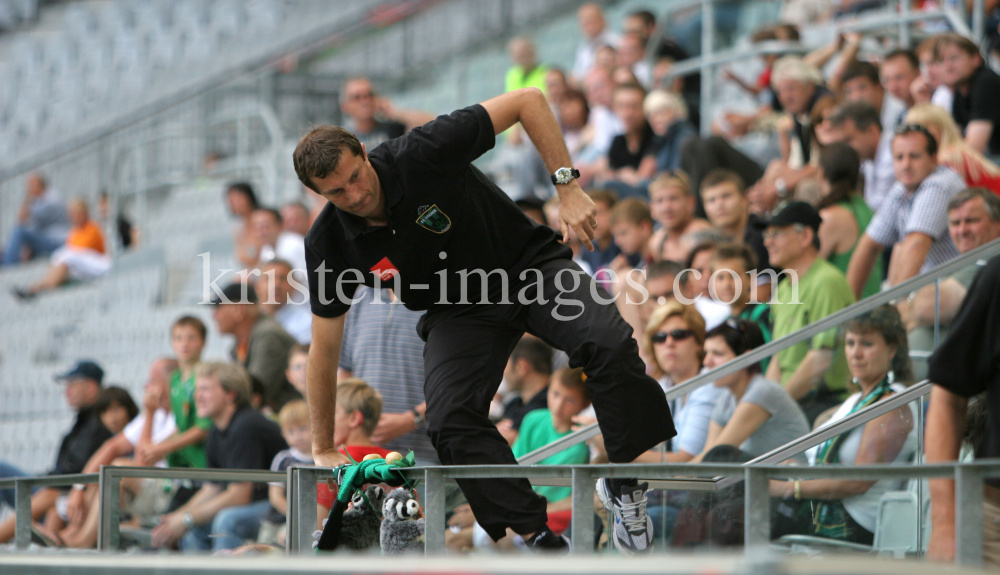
pixel 364 152
pixel 355 419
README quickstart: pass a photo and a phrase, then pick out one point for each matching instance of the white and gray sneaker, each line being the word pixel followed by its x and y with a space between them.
pixel 632 529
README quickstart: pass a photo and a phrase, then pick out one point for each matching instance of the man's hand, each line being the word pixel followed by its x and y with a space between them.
pixel 151 400
pixel 76 507
pixel 392 425
pixel 942 542
pixel 506 429
pixel 577 212
pixel 170 529
pixel 148 455
pixel 329 457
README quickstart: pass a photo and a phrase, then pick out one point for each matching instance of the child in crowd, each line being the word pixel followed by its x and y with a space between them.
pixel 632 226
pixel 298 357
pixel 116 408
pixel 294 421
pixel 358 410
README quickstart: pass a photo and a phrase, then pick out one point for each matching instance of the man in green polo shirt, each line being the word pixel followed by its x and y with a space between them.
pixel 814 372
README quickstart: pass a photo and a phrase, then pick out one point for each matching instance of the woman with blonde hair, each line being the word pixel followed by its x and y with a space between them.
pixel 953 152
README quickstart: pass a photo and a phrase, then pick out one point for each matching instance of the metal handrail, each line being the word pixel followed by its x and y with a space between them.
pixel 767 350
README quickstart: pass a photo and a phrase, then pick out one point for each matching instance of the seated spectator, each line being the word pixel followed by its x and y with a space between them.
pixel 638 299
pixel 879 361
pixel 844 211
pixel 152 426
pixel 899 70
pixel 592 25
pixel 555 88
pixel 603 123
pixel 930 87
pixel 973 221
pixel 82 258
pixel 527 374
pixel 42 223
pixel 605 248
pixel 274 243
pixel 813 372
pixel 727 208
pixel 262 345
pixel 298 359
pixel 363 107
pixel 518 154
pixel 753 414
pixel 279 300
pixel 702 156
pixel 526 71
pixel 673 342
pixel 381 347
pixel 696 283
pixel 295 218
pixel 953 152
pixel 242 202
pixel 668 117
pixel 735 286
pixel 567 397
pixel 641 23
pixel 631 55
pixel 914 216
pixel 223 515
pixel 579 132
pixel 632 227
pixel 861 82
pixel 631 158
pixel 857 124
pixel 83 386
pixel 975 87
pixel 672 205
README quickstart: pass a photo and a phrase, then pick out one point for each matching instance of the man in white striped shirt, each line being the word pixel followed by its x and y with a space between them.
pixel 914 216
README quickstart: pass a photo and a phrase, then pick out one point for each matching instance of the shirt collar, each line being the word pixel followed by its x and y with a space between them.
pixel 355 226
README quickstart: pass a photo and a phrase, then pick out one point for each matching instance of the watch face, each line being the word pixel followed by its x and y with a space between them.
pixel 564 175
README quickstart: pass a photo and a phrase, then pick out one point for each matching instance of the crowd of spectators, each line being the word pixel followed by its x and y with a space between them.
pixel 882 168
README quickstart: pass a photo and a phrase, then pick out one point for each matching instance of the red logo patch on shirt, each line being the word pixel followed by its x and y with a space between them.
pixel 385 269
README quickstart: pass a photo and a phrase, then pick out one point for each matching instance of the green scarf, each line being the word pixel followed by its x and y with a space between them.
pixel 830 519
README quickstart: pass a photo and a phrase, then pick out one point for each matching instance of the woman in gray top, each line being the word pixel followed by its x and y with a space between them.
pixel 754 414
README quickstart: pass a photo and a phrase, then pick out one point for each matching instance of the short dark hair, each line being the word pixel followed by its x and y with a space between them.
pixel 958 41
pixel 296 349
pixel 573 379
pixel 274 213
pixel 605 196
pixel 842 169
pixel 863 114
pixel 191 321
pixel 246 189
pixel 860 69
pixel 903 129
pixel 720 176
pixel 634 86
pixel 318 153
pixel 112 395
pixel 908 55
pixel 663 268
pixel 741 336
pixel 536 352
pixel 647 17
pixel 735 251
pixel 990 201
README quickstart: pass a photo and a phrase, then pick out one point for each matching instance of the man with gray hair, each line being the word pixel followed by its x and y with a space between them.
pixel 973 221
pixel 222 515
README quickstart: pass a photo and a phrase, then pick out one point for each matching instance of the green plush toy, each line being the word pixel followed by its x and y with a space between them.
pixel 351 479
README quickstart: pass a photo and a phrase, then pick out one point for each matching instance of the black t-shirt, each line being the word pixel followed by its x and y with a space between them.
pixel 968 361
pixel 619 156
pixel 981 103
pixel 86 437
pixel 516 409
pixel 444 216
pixel 382 132
pixel 250 441
pixel 754 239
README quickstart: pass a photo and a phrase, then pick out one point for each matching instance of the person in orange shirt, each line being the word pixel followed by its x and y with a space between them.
pixel 82 258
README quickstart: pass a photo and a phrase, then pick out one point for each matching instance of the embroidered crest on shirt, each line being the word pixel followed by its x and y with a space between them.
pixel 434 219
pixel 385 269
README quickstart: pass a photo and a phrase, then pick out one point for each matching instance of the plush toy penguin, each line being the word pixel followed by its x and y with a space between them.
pixel 401 531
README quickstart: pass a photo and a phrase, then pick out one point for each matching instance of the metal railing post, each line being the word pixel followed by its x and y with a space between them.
pixel 434 512
pixel 707 80
pixel 22 517
pixel 301 496
pixel 937 313
pixel 904 23
pixel 108 509
pixel 968 516
pixel 583 511
pixel 978 20
pixel 756 510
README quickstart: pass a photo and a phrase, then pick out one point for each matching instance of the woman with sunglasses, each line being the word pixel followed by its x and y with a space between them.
pixel 879 360
pixel 754 415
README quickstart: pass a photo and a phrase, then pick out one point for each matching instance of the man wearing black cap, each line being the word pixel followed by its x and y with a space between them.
pixel 813 372
pixel 83 385
pixel 262 345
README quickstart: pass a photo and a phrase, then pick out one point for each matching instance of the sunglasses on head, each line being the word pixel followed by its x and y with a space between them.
pixel 677 335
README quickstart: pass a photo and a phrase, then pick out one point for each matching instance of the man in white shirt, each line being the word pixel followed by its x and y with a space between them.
pixel 592 24
pixel 283 295
pixel 858 125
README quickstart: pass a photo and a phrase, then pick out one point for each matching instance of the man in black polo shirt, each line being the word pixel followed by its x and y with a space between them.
pixel 417 214
pixel 976 90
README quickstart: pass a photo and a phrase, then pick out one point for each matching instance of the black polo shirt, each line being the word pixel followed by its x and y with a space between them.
pixel 444 216
pixel 981 103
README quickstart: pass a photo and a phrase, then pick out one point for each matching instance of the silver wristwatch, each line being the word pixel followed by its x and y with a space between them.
pixel 565 176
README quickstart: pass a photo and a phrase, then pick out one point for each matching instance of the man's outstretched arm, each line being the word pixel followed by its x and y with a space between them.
pixel 529 107
pixel 321 387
